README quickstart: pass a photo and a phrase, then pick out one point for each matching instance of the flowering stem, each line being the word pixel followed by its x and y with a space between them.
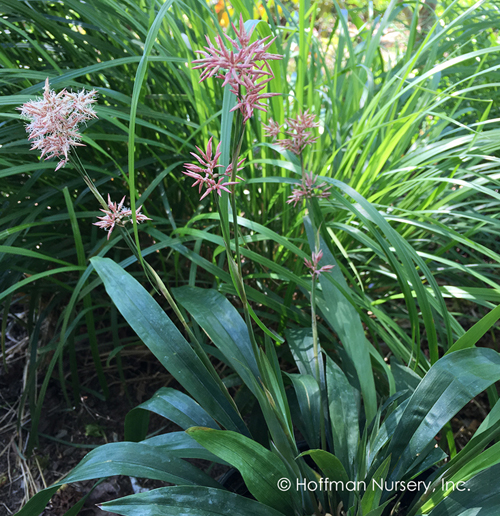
pixel 241 284
pixel 75 160
pixel 233 201
pixel 158 285
pixel 303 170
pixel 151 274
pixel 314 324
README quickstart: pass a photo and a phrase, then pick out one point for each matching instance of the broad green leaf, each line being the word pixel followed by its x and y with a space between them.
pixel 273 384
pixel 450 383
pixel 333 471
pixel 309 402
pixel 300 341
pixel 261 469
pixel 386 430
pixel 487 459
pixel 405 378
pixel 379 511
pixel 470 454
pixel 180 444
pixel 195 501
pixel 344 405
pixel 178 408
pixel 487 431
pixel 373 493
pixel 223 324
pixel 131 459
pixel 161 336
pixel 479 496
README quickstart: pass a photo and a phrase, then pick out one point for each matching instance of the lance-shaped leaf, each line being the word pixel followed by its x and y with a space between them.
pixel 178 408
pixel 131 459
pixel 300 341
pixel 195 501
pixel 180 444
pixel 334 473
pixel 344 402
pixel 161 336
pixel 309 403
pixel 224 325
pixel 261 469
pixel 479 496
pixel 448 385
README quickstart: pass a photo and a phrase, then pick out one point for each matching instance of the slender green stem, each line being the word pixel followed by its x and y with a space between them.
pixel 303 170
pixel 4 330
pixel 151 274
pixel 233 200
pixel 239 282
pixel 314 325
pixel 166 294
pixel 158 285
pixel 75 160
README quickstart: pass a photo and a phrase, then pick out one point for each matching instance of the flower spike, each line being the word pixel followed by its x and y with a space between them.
pixel 206 175
pixel 312 265
pixel 309 189
pixel 239 67
pixel 117 215
pixel 299 137
pixel 54 121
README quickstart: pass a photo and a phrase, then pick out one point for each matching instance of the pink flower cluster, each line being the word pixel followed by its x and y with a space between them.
pixel 117 215
pixel 55 119
pixel 312 265
pixel 239 66
pixel 299 137
pixel 309 189
pixel 206 174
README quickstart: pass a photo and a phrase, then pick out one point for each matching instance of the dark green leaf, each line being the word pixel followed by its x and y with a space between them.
pixel 344 403
pixel 261 469
pixel 161 336
pixel 179 408
pixel 223 324
pixel 131 459
pixel 309 401
pixel 195 501
pixel 449 384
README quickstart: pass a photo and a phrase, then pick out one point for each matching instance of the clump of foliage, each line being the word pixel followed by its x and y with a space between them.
pixel 380 195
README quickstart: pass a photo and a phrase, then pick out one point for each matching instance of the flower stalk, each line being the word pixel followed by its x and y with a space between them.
pixel 242 292
pixel 244 66
pixel 316 271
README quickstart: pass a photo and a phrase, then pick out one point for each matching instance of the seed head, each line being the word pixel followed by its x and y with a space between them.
pixel 54 121
pixel 272 129
pixel 312 264
pixel 239 67
pixel 299 137
pixel 206 175
pixel 309 189
pixel 117 215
